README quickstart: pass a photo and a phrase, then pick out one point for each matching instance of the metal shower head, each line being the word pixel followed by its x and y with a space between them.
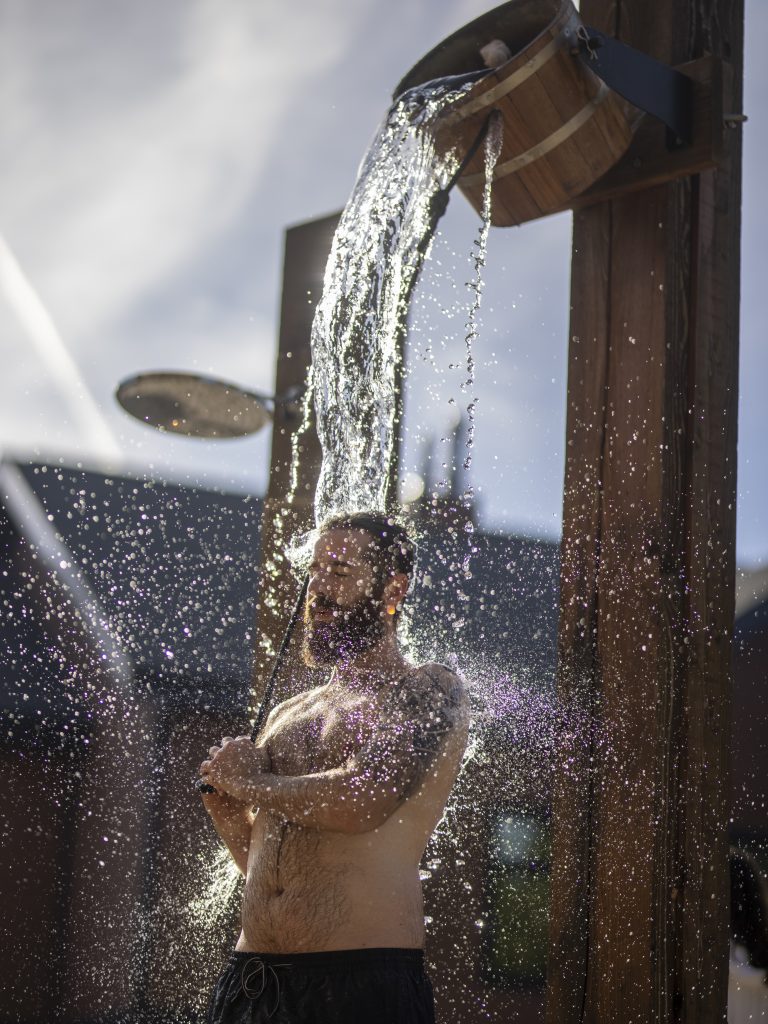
pixel 194 406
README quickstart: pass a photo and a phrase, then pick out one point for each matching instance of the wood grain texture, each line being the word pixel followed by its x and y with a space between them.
pixel 638 922
pixel 546 100
pixel 578 662
pixel 558 183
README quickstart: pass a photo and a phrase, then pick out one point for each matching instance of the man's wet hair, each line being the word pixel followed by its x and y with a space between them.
pixel 395 549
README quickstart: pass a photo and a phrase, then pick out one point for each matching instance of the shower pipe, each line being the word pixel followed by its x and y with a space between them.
pixel 269 689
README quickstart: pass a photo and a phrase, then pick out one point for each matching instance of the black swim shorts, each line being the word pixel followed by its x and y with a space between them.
pixel 351 986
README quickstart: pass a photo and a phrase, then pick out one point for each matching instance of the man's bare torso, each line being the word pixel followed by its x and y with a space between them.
pixel 309 889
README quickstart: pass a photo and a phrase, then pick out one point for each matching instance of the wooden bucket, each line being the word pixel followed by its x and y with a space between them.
pixel 563 127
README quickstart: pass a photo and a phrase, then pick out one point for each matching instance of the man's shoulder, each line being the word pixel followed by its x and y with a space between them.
pixel 435 682
pixel 296 701
pixel 429 705
pixel 435 673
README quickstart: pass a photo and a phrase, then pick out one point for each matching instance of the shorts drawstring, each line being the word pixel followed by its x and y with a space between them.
pixel 335 986
pixel 255 979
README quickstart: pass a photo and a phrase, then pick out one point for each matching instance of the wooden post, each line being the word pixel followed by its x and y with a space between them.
pixel 306 251
pixel 639 896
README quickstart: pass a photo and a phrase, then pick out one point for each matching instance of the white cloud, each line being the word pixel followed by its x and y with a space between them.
pixel 106 190
pixel 42 338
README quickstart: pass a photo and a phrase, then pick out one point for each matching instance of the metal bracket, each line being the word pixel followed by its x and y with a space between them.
pixel 647 83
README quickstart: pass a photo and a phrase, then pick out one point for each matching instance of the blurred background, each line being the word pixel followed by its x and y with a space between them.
pixel 151 157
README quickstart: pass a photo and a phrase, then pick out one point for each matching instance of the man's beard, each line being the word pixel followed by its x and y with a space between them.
pixel 354 630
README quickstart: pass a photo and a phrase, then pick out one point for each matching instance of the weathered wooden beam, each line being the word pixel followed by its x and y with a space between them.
pixel 578 665
pixel 639 906
pixel 306 252
pixel 649 161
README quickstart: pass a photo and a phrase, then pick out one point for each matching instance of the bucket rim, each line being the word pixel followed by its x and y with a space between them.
pixel 428 67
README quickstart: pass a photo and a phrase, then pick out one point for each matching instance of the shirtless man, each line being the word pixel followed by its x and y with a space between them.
pixel 329 812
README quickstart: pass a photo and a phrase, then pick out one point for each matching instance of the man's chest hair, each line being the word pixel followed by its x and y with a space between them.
pixel 320 730
pixel 326 727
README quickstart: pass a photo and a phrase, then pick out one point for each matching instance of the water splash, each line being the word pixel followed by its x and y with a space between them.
pixel 209 911
pixel 474 864
pixel 492 149
pixel 355 386
pixel 379 247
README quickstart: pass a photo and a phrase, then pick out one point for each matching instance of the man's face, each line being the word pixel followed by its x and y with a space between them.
pixel 345 610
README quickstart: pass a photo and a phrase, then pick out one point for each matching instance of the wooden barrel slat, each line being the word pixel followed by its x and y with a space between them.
pixel 508 208
pixel 536 177
pixel 521 194
pixel 553 115
pixel 562 128
pixel 517 201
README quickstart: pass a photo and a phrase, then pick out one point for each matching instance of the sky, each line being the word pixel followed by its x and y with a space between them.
pixel 152 155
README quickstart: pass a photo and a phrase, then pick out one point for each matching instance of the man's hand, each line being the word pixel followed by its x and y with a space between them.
pixel 419 720
pixel 232 767
pixel 224 808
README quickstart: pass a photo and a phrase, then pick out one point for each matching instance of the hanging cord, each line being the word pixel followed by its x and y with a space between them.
pixel 257 972
pixel 472 150
pixel 439 202
pixel 269 689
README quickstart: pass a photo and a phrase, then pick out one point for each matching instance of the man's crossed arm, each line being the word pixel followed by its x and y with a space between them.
pixel 413 721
